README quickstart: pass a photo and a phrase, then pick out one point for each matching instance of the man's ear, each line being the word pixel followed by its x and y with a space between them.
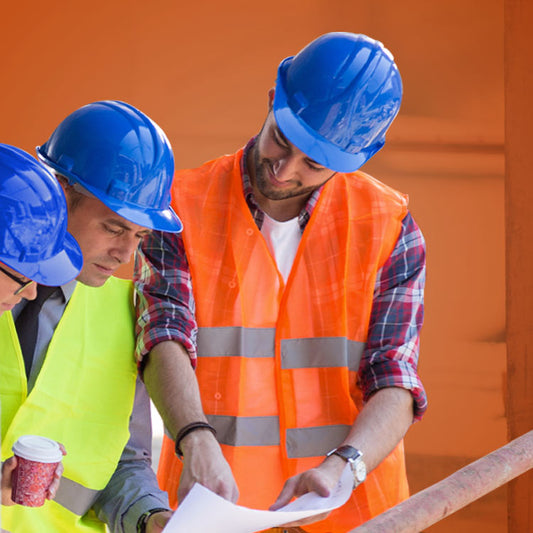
pixel 73 197
pixel 271 94
pixel 63 181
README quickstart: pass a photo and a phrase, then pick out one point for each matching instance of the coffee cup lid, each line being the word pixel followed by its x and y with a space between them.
pixel 40 449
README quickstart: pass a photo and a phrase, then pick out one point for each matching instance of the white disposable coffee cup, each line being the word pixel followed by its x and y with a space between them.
pixel 37 459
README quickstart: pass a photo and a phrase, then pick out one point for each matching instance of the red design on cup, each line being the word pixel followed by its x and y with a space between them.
pixel 37 459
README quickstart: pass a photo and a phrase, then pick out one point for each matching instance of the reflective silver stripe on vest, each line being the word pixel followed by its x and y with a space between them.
pixel 264 431
pixel 320 352
pixel 311 442
pixel 246 430
pixel 75 497
pixel 229 341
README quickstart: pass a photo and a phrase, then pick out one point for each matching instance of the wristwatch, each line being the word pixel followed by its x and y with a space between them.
pixel 354 458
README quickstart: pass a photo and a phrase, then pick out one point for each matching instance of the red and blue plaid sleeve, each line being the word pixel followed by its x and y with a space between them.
pixel 390 358
pixel 164 298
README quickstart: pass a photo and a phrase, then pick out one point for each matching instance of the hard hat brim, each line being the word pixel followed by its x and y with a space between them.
pixel 154 219
pixel 54 271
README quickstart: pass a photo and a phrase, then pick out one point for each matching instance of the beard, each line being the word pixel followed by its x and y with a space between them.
pixel 262 169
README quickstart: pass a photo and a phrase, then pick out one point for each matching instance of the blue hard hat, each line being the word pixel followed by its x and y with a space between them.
pixel 336 99
pixel 119 155
pixel 33 221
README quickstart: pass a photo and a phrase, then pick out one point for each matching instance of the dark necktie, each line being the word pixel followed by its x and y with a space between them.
pixel 27 324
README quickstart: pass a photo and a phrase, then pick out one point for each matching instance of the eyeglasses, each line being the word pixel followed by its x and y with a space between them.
pixel 23 284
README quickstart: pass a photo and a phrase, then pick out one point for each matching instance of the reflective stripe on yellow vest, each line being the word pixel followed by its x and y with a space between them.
pixel 278 362
pixel 82 398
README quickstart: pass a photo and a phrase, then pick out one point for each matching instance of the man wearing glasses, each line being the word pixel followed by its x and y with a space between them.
pixel 23 284
pixel 34 243
pixel 35 246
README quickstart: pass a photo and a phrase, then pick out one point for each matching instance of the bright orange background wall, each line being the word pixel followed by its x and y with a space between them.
pixel 202 71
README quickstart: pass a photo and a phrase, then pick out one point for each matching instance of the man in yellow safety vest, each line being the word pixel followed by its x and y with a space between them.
pixel 69 353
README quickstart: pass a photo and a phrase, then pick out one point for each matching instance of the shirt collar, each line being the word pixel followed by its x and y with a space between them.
pixel 65 294
pixel 68 289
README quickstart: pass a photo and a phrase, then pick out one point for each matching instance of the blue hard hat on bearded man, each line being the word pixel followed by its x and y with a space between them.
pixel 336 99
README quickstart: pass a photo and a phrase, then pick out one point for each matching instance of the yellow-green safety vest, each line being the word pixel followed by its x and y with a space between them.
pixel 82 398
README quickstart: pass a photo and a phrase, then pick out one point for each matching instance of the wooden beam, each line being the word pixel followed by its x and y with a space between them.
pixel 519 242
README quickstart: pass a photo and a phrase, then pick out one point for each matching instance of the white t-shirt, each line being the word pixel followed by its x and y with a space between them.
pixel 282 239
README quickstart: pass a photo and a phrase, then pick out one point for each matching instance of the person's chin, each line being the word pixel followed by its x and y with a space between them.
pixel 93 279
pixel 6 307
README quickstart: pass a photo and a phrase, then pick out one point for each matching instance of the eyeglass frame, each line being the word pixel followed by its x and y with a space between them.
pixel 23 284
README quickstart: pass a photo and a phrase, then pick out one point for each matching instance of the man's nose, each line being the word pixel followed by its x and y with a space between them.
pixel 284 169
pixel 125 248
pixel 30 292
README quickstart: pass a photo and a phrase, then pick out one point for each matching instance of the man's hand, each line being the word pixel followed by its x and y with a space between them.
pixel 321 480
pixel 7 469
pixel 158 521
pixel 381 424
pixel 204 463
pixel 52 489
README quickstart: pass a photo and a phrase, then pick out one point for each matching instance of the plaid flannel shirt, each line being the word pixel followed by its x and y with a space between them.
pixel 166 310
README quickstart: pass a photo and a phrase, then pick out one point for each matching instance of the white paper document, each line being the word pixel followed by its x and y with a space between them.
pixel 203 511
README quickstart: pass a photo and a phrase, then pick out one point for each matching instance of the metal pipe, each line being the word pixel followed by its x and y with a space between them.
pixel 440 500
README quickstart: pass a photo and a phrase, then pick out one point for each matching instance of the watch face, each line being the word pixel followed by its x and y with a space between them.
pixel 348 452
pixel 359 470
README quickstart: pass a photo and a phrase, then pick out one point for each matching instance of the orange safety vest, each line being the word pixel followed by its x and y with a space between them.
pixel 277 363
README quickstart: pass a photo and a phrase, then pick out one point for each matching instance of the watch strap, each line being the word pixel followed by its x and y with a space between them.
pixel 354 458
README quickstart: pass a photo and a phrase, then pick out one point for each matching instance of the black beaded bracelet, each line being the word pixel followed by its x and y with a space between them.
pixel 189 428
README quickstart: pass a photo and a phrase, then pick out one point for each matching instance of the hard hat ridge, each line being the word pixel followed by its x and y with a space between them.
pixel 120 156
pixel 337 97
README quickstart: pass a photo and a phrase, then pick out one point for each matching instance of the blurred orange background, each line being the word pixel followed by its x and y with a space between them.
pixel 202 71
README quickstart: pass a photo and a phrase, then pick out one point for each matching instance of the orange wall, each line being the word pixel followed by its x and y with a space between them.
pixel 202 71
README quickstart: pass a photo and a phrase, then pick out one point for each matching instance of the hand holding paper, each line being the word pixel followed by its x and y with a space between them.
pixel 203 511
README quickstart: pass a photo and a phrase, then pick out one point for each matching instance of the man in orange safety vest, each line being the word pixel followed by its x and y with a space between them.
pixel 296 289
